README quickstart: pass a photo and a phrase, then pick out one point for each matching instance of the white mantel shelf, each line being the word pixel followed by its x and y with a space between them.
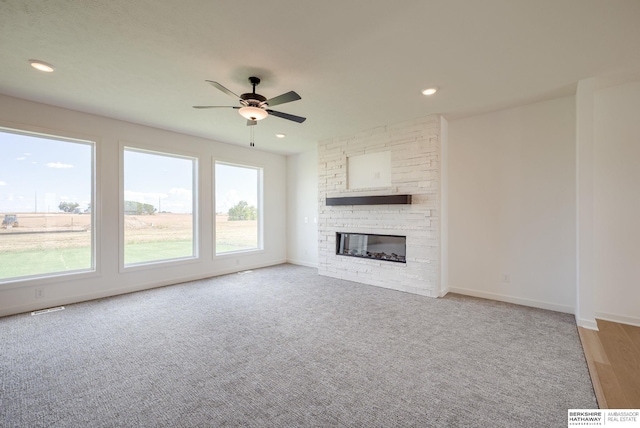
pixel 370 200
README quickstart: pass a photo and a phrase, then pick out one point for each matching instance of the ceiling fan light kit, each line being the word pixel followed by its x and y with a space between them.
pixel 253 113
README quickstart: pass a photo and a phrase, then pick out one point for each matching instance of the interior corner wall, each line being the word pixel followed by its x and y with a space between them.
pixel 16 297
pixel 444 207
pixel 585 277
pixel 617 203
pixel 512 205
pixel 302 208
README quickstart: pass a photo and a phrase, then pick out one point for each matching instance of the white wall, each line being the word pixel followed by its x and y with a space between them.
pixel 444 207
pixel 512 205
pixel 585 278
pixel 302 209
pixel 108 133
pixel 617 203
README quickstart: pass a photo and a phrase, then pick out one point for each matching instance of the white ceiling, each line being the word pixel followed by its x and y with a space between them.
pixel 356 63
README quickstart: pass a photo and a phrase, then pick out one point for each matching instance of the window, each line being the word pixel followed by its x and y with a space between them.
pixel 46 200
pixel 159 206
pixel 238 208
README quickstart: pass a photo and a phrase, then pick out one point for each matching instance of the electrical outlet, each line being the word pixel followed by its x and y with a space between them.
pixel 506 278
pixel 39 293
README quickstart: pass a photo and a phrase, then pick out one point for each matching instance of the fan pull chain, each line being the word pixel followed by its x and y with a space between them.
pixel 251 137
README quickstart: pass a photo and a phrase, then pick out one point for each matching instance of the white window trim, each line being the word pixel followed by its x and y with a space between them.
pixel 70 137
pixel 260 197
pixel 162 151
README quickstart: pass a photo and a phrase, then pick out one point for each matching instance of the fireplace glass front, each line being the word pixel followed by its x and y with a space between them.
pixel 391 248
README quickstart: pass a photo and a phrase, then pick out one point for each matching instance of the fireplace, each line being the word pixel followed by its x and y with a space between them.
pixel 390 248
pixel 356 175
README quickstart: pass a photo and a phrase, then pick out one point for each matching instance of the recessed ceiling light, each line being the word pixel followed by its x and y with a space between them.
pixel 281 135
pixel 430 91
pixel 40 65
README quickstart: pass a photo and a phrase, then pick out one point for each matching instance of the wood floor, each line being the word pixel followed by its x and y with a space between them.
pixel 613 357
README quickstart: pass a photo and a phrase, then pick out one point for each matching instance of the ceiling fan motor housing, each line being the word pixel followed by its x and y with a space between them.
pixel 254 104
pixel 252 99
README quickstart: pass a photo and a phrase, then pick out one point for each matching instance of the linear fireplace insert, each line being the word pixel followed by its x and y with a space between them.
pixel 391 248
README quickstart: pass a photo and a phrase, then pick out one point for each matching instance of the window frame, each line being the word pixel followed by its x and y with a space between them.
pixel 169 152
pixel 260 208
pixel 74 138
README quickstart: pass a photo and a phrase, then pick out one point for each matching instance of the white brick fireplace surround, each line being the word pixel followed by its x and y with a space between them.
pixel 415 149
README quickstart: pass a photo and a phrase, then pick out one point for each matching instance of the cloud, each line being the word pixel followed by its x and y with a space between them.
pixel 144 197
pixel 59 165
pixel 3 183
pixel 180 193
pixel 227 201
pixel 21 158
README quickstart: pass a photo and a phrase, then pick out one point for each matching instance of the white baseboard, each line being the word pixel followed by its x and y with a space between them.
pixel 302 263
pixel 444 292
pixel 618 318
pixel 589 324
pixel 512 299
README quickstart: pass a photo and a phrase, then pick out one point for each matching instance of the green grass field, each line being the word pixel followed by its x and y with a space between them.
pixel 38 262
pixel 148 239
pixel 154 251
pixel 15 264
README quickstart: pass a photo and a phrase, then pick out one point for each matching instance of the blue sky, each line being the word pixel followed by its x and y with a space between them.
pixel 39 173
pixel 166 182
pixel 235 184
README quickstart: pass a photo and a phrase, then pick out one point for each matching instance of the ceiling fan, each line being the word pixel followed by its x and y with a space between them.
pixel 255 107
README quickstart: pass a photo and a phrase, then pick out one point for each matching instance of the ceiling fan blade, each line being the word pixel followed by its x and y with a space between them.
pixel 222 88
pixel 284 98
pixel 287 116
pixel 252 122
pixel 215 107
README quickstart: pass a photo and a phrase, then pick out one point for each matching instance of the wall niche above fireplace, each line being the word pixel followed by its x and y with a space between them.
pixel 370 170
pixel 390 248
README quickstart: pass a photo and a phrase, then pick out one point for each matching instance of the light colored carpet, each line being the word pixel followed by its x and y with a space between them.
pixel 284 347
